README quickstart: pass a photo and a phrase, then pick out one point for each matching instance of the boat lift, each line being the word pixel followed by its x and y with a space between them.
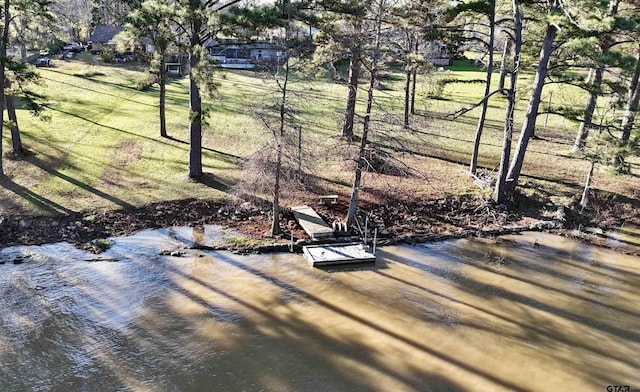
pixel 330 254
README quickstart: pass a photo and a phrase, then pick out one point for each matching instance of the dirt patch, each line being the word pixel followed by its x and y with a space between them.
pixel 122 155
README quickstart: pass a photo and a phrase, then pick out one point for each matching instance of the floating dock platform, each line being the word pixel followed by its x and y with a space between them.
pixel 312 223
pixel 333 254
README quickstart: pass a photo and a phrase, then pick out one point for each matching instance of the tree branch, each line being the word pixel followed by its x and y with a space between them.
pixel 462 111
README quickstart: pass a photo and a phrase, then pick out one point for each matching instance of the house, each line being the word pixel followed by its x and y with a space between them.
pixel 436 53
pixel 174 64
pixel 103 35
pixel 244 55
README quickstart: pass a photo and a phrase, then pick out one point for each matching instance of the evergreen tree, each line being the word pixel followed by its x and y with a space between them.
pixel 597 46
pixel 486 9
pixel 500 189
pixel 195 19
pixel 413 24
pixel 342 31
pixel 153 20
pixel 553 14
pixel 11 8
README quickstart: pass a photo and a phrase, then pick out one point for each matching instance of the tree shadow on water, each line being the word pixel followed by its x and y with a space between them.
pixel 547 314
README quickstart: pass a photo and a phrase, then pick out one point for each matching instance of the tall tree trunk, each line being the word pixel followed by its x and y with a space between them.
pixel 413 91
pixel 594 83
pixel 487 90
pixel 195 107
pixel 333 72
pixel 163 96
pixel 16 142
pixel 585 124
pixel 352 85
pixel 633 101
pixel 3 57
pixel 529 124
pixel 503 64
pixel 584 201
pixel 589 78
pixel 407 95
pixel 355 190
pixel 499 192
pixel 628 119
pixel 413 82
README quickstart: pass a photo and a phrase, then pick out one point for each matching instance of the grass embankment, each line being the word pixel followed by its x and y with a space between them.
pixel 102 149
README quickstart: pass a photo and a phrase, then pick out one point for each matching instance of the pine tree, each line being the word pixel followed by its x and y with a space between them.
pixel 378 11
pixel 11 8
pixel 153 20
pixel 342 31
pixel 553 10
pixel 195 20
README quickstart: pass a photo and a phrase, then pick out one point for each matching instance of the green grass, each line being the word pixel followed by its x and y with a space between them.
pixel 102 149
pixel 465 66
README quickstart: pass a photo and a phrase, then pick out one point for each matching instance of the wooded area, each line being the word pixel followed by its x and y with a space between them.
pixel 296 130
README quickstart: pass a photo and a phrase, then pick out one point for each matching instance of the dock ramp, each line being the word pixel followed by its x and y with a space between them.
pixel 312 223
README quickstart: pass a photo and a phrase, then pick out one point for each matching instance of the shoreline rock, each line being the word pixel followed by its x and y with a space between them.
pixel 434 220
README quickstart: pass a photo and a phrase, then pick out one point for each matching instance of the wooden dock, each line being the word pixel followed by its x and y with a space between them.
pixel 333 254
pixel 312 223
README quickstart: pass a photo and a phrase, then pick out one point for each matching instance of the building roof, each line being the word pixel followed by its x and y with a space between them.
pixel 243 45
pixel 105 33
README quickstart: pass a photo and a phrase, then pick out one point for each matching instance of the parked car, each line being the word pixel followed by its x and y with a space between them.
pixel 74 47
pixel 44 61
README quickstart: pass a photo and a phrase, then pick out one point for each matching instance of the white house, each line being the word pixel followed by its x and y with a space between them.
pixel 244 55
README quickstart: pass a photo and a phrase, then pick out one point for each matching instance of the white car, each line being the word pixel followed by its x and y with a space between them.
pixel 44 61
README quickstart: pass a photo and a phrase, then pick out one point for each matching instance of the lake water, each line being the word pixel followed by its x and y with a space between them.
pixel 533 312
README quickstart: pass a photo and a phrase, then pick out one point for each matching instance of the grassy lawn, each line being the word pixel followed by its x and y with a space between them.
pixel 102 149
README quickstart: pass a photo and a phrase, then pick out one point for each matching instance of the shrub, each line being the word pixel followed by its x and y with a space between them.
pixel 107 56
pixel 55 45
pixel 146 82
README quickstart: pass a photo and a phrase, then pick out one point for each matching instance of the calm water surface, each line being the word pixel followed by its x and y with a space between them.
pixel 532 312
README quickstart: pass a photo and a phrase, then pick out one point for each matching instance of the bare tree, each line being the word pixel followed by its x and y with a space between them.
pixel 379 10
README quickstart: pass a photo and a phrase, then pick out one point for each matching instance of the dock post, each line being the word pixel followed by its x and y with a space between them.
pixel 375 240
pixel 366 225
pixel 291 245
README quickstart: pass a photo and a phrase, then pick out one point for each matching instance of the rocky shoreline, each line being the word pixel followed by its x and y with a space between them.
pixel 396 223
